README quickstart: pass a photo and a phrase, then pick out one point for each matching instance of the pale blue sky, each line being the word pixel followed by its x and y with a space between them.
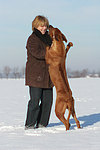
pixel 79 20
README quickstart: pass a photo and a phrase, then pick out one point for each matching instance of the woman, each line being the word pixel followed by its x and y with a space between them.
pixel 37 75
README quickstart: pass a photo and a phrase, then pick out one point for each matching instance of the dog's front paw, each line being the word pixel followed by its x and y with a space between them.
pixel 70 44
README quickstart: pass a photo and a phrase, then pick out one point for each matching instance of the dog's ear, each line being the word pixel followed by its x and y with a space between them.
pixel 64 38
pixel 56 37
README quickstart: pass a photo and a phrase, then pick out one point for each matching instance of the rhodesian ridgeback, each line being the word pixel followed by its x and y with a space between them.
pixel 55 57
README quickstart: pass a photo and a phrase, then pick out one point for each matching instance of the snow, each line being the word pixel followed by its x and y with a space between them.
pixel 13 105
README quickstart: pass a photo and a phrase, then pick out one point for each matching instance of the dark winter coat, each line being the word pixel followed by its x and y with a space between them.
pixel 37 74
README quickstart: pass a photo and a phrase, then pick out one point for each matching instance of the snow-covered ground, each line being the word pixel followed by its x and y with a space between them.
pixel 13 105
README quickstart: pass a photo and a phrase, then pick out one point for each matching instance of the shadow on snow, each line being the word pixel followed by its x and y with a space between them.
pixel 88 120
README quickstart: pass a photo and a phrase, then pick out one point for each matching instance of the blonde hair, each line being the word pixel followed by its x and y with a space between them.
pixel 40 21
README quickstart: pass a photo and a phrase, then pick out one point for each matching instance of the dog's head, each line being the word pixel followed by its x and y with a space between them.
pixel 55 33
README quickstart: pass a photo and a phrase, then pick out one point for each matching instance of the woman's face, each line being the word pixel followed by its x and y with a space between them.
pixel 42 29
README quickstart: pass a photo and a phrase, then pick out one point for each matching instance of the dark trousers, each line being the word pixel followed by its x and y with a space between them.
pixel 39 106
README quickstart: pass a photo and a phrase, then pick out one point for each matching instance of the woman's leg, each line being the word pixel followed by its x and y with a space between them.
pixel 46 104
pixel 33 106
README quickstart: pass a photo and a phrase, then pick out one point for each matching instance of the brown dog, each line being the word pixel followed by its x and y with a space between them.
pixel 55 57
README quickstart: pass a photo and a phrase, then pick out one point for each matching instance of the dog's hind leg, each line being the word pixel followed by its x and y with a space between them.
pixel 68 124
pixel 60 108
pixel 74 115
pixel 76 120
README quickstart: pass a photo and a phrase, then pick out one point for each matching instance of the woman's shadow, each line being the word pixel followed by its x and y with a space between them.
pixel 88 120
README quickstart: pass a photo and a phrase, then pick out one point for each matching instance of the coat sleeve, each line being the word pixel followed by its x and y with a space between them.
pixel 34 47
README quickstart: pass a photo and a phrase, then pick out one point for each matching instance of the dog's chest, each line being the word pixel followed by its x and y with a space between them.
pixel 59 48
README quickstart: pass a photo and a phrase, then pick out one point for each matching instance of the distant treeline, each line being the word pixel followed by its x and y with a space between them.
pixel 82 73
pixel 17 72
